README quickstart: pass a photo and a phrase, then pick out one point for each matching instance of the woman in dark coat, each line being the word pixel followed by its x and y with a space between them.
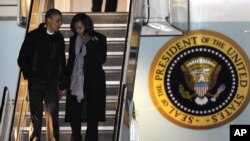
pixel 88 49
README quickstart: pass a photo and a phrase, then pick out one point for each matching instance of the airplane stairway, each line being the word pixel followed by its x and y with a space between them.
pixel 114 26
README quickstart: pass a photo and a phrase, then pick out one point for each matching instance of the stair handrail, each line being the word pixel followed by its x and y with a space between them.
pixel 27 25
pixel 5 114
pixel 122 87
pixel 146 10
pixel 118 118
pixel 125 96
pixel 3 104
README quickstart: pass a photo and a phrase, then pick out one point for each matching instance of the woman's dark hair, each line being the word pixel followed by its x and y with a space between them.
pixel 52 12
pixel 86 21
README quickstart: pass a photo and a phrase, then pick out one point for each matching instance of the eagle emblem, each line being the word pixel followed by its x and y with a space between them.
pixel 201 75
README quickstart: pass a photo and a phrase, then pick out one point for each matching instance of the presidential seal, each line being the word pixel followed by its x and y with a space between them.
pixel 200 80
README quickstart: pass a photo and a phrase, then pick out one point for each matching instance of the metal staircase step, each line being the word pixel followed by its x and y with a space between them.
pixel 116 46
pixel 109 122
pixel 106 18
pixel 109 98
pixel 112 68
pixel 66 135
pixel 97 18
pixel 102 25
pixel 108 39
pixel 111 53
pixel 112 76
pixel 108 32
pixel 112 90
pixel 109 113
pixel 113 61
pixel 68 129
pixel 110 105
pixel 111 46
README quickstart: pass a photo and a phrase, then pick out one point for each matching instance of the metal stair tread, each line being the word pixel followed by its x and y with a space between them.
pixel 83 128
pixel 61 119
pixel 110 42
pixel 98 17
pixel 62 113
pixel 66 135
pixel 110 53
pixel 99 26
pixel 109 98
pixel 112 67
pixel 94 13
pixel 108 39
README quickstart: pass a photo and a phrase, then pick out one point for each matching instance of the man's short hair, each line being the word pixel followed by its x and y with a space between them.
pixel 52 12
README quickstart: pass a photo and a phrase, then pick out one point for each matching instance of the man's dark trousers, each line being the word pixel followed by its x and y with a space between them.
pixel 40 91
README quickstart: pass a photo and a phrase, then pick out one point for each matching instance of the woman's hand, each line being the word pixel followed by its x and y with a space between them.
pixel 86 39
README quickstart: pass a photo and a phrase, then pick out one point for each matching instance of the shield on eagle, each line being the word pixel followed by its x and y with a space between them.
pixel 201 88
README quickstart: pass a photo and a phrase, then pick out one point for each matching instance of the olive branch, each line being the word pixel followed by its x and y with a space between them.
pixel 185 94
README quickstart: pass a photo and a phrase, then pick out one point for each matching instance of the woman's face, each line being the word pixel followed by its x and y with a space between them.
pixel 79 28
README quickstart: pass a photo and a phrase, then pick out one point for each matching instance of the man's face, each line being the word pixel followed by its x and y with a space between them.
pixel 54 23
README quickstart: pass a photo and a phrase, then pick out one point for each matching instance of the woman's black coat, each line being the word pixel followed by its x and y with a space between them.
pixel 94 76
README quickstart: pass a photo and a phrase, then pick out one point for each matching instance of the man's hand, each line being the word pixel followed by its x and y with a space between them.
pixel 61 93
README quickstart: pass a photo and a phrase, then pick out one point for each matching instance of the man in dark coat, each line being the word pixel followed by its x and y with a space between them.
pixel 42 62
pixel 94 79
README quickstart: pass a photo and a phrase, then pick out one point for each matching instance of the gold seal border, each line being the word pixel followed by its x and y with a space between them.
pixel 158 56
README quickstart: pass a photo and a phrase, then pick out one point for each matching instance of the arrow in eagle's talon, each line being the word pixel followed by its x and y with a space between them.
pixel 219 90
